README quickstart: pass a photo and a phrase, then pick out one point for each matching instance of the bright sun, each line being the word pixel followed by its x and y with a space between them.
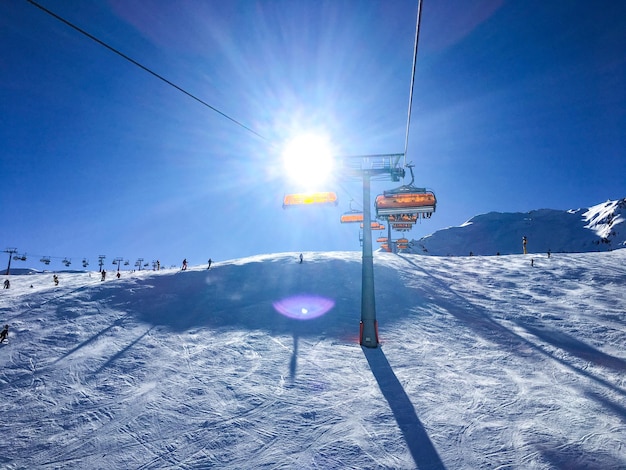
pixel 308 159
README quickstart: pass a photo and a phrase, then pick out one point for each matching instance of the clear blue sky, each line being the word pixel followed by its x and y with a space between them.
pixel 517 106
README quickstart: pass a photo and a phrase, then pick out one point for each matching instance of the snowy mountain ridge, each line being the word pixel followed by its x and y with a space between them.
pixel 597 228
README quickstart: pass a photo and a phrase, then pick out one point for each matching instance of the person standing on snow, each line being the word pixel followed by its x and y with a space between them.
pixel 7 284
pixel 4 334
pixel 104 275
pixel 184 265
pixel 301 258
pixel 210 261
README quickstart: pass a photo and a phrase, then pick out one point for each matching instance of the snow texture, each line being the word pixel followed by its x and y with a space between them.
pixel 485 362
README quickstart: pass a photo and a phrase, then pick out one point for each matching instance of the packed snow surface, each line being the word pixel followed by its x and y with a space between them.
pixel 485 362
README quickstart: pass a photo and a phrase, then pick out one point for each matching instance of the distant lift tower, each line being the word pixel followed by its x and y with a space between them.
pixel 368 167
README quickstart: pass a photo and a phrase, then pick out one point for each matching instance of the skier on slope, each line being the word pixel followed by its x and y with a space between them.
pixel 7 284
pixel 301 258
pixel 210 261
pixel 4 334
pixel 184 265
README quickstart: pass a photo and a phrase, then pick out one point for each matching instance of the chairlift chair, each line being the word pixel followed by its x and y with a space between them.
pixel 401 227
pixel 310 199
pixel 352 217
pixel 407 199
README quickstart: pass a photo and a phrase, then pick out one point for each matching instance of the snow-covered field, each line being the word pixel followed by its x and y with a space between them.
pixel 485 362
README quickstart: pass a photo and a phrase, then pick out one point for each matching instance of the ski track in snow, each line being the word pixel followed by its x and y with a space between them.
pixel 486 362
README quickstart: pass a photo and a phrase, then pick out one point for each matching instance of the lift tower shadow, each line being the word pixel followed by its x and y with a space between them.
pixel 422 450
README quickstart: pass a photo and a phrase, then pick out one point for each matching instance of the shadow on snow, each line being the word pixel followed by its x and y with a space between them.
pixel 422 450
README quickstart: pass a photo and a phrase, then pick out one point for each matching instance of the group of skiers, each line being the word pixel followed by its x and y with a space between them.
pixel 184 266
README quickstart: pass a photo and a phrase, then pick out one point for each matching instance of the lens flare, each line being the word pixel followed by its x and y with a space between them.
pixel 304 307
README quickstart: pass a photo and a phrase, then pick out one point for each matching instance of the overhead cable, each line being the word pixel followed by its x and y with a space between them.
pixel 408 119
pixel 143 67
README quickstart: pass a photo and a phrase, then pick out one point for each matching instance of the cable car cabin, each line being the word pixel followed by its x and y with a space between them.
pixel 401 226
pixel 310 199
pixel 381 240
pixel 352 217
pixel 414 201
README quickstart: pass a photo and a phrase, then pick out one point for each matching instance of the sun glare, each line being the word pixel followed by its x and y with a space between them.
pixel 308 160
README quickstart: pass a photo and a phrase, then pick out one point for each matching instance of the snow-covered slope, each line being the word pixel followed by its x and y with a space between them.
pixel 486 362
pixel 598 228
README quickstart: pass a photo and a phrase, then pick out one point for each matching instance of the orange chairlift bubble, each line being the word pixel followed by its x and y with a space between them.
pixel 417 201
pixel 376 226
pixel 401 227
pixel 412 218
pixel 352 217
pixel 310 199
pixel 402 244
pixel 381 240
pixel 406 199
pixel 385 247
